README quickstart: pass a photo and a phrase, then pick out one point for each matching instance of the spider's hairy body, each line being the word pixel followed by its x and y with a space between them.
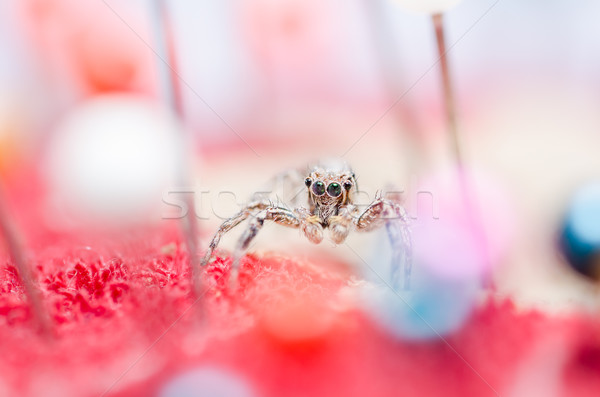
pixel 330 205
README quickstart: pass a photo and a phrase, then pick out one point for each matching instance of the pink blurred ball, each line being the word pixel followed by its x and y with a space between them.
pixel 458 235
pixel 295 44
pixel 288 32
pixel 450 249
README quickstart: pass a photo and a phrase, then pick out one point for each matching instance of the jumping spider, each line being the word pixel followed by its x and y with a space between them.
pixel 331 189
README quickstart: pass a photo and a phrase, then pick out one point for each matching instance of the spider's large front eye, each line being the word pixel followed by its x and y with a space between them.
pixel 308 182
pixel 334 189
pixel 318 188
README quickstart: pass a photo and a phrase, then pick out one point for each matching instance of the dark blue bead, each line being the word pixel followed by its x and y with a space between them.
pixel 579 237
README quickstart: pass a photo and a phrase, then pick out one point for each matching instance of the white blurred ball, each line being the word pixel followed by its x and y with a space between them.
pixel 206 381
pixel 428 6
pixel 112 157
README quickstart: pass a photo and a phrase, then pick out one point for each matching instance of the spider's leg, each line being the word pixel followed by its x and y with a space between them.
pixel 230 224
pixel 400 239
pixel 289 183
pixel 279 215
pixel 391 214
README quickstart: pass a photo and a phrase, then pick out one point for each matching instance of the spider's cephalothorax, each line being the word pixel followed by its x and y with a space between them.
pixel 329 190
pixel 330 206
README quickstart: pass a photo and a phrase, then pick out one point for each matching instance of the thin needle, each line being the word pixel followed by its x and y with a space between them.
pixel 470 203
pixel 438 23
pixel 172 96
pixel 15 248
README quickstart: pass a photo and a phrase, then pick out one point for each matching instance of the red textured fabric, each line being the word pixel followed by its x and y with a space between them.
pixel 126 324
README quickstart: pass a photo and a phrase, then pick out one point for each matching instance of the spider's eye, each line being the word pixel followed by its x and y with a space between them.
pixel 334 189
pixel 308 182
pixel 347 185
pixel 318 188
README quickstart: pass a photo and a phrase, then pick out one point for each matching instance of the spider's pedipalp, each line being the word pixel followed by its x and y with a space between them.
pixel 310 225
pixel 341 225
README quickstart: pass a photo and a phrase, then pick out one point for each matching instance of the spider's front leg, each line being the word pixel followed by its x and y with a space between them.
pixel 230 223
pixel 391 214
pixel 279 215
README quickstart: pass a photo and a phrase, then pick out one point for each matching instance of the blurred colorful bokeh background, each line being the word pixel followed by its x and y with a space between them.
pixel 90 147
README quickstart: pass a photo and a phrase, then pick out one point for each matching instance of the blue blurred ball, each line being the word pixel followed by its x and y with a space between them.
pixel 433 308
pixel 579 238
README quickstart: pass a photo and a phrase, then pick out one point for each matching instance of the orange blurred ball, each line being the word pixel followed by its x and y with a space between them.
pixel 7 153
pixel 91 47
pixel 11 129
pixel 298 321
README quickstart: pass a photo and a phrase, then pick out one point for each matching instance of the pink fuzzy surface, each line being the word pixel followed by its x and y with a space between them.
pixel 126 323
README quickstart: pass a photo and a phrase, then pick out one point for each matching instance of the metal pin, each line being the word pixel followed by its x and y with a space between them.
pixel 16 251
pixel 470 203
pixel 172 96
pixel 449 102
